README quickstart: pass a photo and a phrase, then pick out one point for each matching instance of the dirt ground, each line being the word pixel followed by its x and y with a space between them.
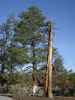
pixel 44 98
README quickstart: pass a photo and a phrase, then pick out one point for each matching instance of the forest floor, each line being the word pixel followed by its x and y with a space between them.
pixel 39 98
pixel 5 98
pixel 45 98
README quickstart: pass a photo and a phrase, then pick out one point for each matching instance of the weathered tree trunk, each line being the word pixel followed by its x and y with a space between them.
pixel 50 95
pixel 46 83
pixel 33 63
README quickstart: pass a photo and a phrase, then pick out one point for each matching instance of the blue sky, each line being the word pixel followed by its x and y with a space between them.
pixel 61 12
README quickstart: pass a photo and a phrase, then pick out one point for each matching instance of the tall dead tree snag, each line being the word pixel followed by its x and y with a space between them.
pixel 49 61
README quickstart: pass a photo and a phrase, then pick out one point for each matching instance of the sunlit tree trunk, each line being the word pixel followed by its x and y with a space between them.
pixel 50 95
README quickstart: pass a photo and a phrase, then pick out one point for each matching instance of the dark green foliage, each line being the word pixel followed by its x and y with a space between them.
pixel 27 27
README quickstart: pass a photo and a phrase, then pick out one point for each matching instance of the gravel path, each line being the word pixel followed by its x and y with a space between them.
pixel 5 98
